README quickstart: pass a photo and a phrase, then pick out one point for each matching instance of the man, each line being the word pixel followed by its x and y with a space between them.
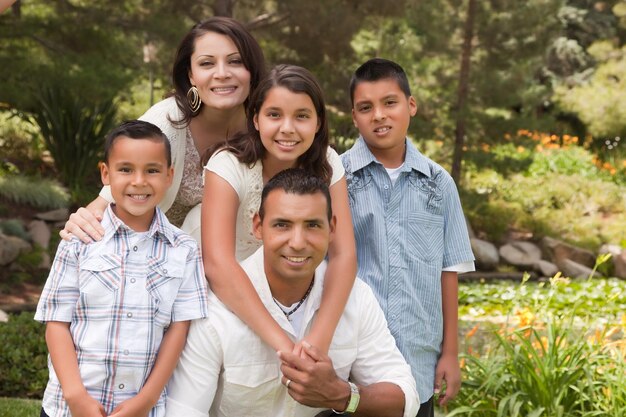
pixel 228 371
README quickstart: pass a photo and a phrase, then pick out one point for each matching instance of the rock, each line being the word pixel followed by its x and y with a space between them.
pixel 619 262
pixel 58 215
pixel 614 250
pixel 9 249
pixel 39 233
pixel 559 251
pixel 4 317
pixel 470 231
pixel 573 269
pixel 486 254
pixel 46 262
pixel 545 268
pixel 520 253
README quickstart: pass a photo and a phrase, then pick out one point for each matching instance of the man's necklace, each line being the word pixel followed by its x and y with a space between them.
pixel 293 310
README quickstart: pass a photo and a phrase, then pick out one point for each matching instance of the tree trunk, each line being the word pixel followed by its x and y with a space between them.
pixel 464 72
pixel 224 7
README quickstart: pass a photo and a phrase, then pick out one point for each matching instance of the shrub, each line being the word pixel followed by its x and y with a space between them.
pixel 73 129
pixel 39 193
pixel 555 356
pixel 14 227
pixel 23 357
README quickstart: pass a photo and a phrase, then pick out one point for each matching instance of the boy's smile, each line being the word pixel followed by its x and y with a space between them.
pixel 138 174
pixel 382 113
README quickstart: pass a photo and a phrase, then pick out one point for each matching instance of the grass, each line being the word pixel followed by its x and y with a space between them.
pixel 17 407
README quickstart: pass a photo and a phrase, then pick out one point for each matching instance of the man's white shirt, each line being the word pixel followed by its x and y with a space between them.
pixel 228 371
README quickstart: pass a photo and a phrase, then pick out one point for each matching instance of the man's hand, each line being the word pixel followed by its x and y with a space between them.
pixel 447 370
pixel 313 383
pixel 84 405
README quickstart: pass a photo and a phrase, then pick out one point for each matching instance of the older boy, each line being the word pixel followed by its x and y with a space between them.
pixel 409 228
pixel 117 311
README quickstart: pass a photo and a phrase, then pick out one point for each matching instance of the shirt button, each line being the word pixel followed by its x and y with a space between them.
pixel 165 271
pixel 121 386
pixel 393 316
pixel 132 280
pixel 126 352
pixel 135 248
pixel 129 315
pixel 386 187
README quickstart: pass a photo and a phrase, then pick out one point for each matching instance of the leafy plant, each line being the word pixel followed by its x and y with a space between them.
pixel 550 357
pixel 23 357
pixel 73 129
pixel 41 193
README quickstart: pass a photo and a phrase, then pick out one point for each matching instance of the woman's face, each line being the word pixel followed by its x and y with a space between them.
pixel 218 72
pixel 287 123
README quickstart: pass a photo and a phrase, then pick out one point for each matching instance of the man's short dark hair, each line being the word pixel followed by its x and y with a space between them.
pixel 296 181
pixel 377 69
pixel 137 129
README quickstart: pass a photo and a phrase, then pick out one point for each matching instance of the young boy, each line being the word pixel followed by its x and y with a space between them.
pixel 117 311
pixel 409 228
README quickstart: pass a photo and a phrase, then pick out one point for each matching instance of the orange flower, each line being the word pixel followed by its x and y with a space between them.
pixel 472 332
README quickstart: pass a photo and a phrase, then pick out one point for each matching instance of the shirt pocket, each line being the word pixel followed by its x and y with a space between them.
pixel 250 388
pixel 99 279
pixel 162 283
pixel 425 236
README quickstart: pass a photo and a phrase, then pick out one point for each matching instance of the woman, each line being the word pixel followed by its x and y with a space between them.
pixel 217 65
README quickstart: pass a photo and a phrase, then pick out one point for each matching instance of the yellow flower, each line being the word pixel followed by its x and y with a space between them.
pixel 525 317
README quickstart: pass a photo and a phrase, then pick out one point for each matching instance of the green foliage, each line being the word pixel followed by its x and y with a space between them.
pixel 41 193
pixel 18 407
pixel 73 129
pixel 23 357
pixel 14 227
pixel 19 142
pixel 605 297
pixel 552 192
pixel 559 352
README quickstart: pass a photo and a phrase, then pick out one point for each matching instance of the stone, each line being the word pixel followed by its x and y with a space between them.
pixel 4 317
pixel 573 269
pixel 470 231
pixel 559 251
pixel 46 262
pixel 39 233
pixel 619 262
pixel 545 268
pixel 58 215
pixel 8 250
pixel 486 254
pixel 614 250
pixel 520 253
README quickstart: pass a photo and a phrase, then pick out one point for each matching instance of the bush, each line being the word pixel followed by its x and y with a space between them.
pixel 23 357
pixel 36 192
pixel 562 353
pixel 73 129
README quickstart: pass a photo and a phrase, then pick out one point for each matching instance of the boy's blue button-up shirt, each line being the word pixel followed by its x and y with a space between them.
pixel 406 234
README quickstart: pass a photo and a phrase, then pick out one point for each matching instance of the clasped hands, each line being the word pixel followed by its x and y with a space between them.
pixel 311 379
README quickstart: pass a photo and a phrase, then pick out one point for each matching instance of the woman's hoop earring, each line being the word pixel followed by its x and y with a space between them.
pixel 193 98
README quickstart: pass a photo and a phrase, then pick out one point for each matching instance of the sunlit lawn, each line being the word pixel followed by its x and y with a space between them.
pixel 17 407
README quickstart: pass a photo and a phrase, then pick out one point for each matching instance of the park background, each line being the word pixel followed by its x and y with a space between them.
pixel 522 101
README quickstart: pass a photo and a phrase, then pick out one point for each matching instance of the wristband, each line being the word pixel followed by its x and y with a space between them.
pixel 354 400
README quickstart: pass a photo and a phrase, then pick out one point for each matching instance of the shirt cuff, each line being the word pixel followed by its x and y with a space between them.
pixel 461 268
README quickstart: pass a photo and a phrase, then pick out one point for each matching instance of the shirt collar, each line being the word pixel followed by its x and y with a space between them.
pixel 112 225
pixel 255 269
pixel 361 156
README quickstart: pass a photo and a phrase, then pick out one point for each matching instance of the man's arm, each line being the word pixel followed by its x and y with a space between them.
pixel 171 346
pixel 448 365
pixel 317 385
pixel 65 363
pixel 194 382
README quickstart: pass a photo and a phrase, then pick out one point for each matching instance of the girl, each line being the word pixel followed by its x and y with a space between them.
pixel 287 128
